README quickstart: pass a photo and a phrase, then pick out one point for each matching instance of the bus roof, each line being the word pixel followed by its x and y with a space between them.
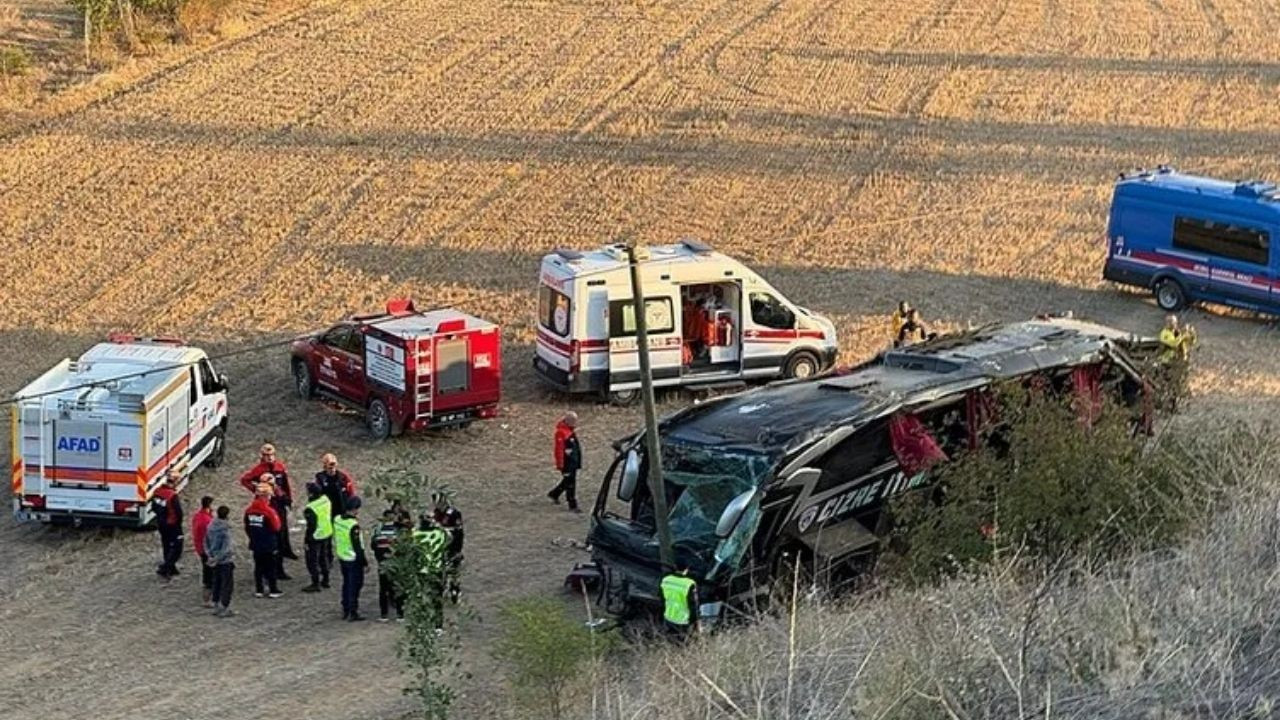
pixel 783 417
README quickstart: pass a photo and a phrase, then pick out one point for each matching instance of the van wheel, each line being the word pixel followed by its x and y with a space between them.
pixel 302 381
pixel 623 398
pixel 1170 296
pixel 219 449
pixel 800 366
pixel 379 420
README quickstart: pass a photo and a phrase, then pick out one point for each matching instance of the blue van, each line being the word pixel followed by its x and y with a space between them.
pixel 1192 239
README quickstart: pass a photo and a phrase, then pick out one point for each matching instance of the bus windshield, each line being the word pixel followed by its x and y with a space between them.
pixel 707 479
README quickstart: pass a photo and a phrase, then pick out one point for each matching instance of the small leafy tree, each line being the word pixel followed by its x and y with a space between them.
pixel 427 652
pixel 546 651
pixel 1050 486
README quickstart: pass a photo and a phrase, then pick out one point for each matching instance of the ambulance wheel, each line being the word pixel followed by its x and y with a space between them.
pixel 302 381
pixel 624 398
pixel 379 420
pixel 1170 295
pixel 219 449
pixel 800 366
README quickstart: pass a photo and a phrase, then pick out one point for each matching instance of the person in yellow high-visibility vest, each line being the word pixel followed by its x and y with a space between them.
pixel 680 599
pixel 1175 341
pixel 350 551
pixel 434 541
pixel 319 537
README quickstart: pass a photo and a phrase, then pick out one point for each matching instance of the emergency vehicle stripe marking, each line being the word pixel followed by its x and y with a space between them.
pixel 178 382
pixel 115 477
pixel 173 453
pixel 142 483
pixel 16 481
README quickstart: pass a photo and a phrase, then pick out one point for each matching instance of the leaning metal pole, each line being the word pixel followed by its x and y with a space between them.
pixel 656 485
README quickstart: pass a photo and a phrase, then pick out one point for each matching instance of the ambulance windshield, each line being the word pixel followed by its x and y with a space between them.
pixel 706 479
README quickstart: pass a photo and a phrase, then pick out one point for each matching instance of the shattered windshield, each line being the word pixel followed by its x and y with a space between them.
pixel 708 479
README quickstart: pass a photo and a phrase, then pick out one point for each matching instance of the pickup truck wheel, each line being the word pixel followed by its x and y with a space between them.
pixel 800 366
pixel 1169 295
pixel 219 450
pixel 379 420
pixel 302 381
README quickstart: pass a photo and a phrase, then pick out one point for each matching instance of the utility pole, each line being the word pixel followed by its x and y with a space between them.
pixel 656 485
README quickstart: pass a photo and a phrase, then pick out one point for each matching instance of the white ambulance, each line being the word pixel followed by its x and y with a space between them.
pixel 93 437
pixel 711 320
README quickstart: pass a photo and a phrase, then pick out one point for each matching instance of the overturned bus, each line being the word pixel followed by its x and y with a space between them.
pixel 800 471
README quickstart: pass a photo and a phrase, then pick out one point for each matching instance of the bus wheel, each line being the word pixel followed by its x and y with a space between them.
pixel 800 366
pixel 1170 295
pixel 624 398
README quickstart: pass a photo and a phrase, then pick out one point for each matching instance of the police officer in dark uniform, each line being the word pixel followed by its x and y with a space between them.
pixel 385 536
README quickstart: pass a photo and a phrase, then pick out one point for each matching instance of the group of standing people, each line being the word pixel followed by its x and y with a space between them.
pixel 332 532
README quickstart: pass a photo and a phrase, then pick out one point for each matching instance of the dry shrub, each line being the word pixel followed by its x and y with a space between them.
pixel 14 61
pixel 1188 631
pixel 9 17
pixel 200 17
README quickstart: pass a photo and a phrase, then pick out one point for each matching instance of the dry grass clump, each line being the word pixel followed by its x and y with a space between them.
pixel 1191 631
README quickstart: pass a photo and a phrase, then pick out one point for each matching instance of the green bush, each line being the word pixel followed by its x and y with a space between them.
pixel 546 650
pixel 14 61
pixel 1049 487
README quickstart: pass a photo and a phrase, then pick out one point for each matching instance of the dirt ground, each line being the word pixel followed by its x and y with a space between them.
pixel 957 153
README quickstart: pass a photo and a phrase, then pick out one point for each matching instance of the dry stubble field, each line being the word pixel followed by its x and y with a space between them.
pixel 956 152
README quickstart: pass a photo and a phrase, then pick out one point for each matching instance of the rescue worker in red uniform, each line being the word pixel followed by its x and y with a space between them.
pixel 262 525
pixel 568 455
pixel 336 484
pixel 199 528
pixel 167 509
pixel 281 498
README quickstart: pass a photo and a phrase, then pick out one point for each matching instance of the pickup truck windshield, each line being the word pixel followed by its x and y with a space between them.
pixel 708 479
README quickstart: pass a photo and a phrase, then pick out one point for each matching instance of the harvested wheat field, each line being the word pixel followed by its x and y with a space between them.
pixel 956 153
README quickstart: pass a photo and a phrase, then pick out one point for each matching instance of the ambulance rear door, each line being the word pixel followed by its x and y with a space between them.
pixel 664 340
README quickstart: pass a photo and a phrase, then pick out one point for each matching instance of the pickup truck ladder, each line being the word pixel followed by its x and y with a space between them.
pixel 424 399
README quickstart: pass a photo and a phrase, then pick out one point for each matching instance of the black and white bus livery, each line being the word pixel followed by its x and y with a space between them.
pixel 802 469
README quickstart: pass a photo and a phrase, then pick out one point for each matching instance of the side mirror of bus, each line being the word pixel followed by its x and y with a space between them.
pixel 733 514
pixel 630 476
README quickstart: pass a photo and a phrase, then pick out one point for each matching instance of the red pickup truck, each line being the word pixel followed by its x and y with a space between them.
pixel 404 369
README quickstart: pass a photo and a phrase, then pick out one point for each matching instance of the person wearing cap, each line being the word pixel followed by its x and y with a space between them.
pixel 167 509
pixel 281 497
pixel 318 540
pixel 349 549
pixel 262 525
pixel 568 456
pixel 385 536
pixel 445 515
pixel 336 484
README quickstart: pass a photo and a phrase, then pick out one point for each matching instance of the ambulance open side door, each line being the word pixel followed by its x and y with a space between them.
pixel 664 340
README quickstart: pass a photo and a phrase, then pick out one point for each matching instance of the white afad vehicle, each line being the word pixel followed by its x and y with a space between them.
pixel 93 437
pixel 711 320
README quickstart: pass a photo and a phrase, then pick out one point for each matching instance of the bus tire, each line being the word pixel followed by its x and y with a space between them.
pixel 1169 294
pixel 801 365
